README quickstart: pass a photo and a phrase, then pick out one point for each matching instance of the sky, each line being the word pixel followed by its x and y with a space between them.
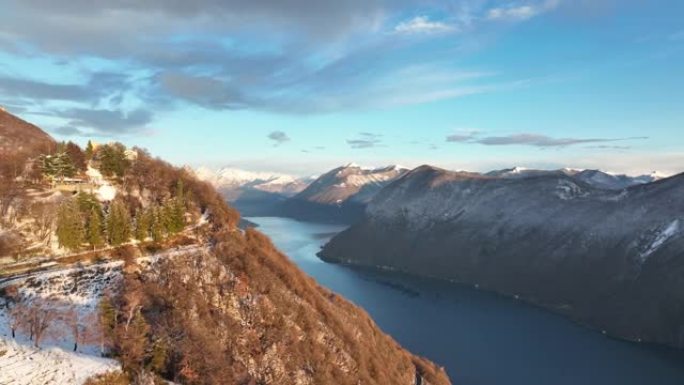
pixel 302 86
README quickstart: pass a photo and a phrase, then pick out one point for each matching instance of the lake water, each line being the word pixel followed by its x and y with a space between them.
pixel 481 338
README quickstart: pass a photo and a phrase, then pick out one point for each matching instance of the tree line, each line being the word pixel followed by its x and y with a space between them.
pixel 83 220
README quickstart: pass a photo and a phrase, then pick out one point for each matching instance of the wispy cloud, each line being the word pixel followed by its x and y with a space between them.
pixel 530 139
pixel 423 25
pixel 278 137
pixel 365 140
pixel 521 12
pixel 111 122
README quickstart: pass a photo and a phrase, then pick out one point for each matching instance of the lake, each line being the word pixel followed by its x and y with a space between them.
pixel 481 338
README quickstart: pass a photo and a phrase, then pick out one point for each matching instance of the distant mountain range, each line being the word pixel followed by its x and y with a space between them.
pixel 342 194
pixel 595 178
pixel 573 241
pixel 233 182
pixel 253 193
pixel 339 195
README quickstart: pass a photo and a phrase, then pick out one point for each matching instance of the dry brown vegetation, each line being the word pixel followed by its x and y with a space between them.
pixel 246 315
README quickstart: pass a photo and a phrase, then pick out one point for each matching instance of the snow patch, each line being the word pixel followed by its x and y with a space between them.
pixel 661 237
pixel 567 190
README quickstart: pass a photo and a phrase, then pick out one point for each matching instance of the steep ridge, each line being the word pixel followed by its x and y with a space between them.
pixel 19 136
pixel 341 194
pixel 239 312
pixel 613 259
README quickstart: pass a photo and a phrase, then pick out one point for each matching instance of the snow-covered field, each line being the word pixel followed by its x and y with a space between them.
pixel 55 362
pixel 21 364
pixel 78 288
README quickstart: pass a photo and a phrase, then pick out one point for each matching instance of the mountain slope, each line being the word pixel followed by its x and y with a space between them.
pixel 19 136
pixel 340 194
pixel 612 259
pixel 227 309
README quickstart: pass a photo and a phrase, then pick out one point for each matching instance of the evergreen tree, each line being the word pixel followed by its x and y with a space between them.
pixel 157 228
pixel 118 224
pixel 179 208
pixel 94 232
pixel 113 161
pixel 57 166
pixel 107 319
pixel 87 202
pixel 70 231
pixel 89 151
pixel 143 222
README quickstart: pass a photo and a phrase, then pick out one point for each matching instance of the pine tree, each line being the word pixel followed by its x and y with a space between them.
pixel 157 227
pixel 108 319
pixel 87 202
pixel 89 151
pixel 94 232
pixel 118 224
pixel 143 222
pixel 70 231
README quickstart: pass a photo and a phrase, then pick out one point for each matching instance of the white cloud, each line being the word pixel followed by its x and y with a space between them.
pixel 423 25
pixel 521 12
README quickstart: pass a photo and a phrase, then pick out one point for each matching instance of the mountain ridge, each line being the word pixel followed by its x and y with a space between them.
pixel 533 238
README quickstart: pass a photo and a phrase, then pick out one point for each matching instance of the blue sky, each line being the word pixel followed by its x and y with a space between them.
pixel 301 86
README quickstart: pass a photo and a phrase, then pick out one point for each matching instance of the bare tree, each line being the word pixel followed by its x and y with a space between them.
pixel 10 188
pixel 44 215
pixel 18 316
pixel 83 326
pixel 40 315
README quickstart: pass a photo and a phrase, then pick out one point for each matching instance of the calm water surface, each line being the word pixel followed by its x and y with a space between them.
pixel 481 338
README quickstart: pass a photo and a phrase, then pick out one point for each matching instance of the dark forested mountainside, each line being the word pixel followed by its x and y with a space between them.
pixel 610 258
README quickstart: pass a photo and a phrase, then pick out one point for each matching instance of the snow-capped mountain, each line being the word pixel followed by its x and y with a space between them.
pixel 350 182
pixel 341 194
pixel 233 182
pixel 607 257
pixel 596 178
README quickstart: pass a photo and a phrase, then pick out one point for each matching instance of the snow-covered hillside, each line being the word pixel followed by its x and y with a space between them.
pixel 77 289
pixel 55 362
pixel 21 364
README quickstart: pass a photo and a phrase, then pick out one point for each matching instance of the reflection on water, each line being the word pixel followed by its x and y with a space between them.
pixel 481 338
